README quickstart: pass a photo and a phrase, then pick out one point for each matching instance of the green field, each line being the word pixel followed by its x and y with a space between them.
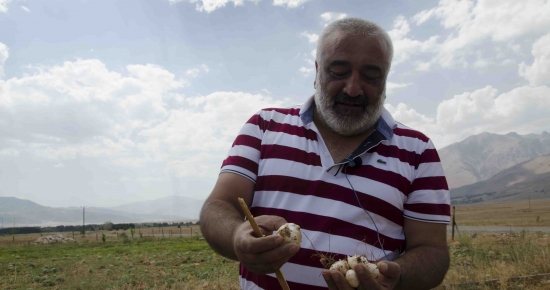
pixel 146 263
pixel 189 263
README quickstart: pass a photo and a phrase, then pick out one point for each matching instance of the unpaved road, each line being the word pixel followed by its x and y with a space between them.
pixel 498 229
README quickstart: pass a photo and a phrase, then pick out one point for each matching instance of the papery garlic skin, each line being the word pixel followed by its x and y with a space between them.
pixel 351 276
pixel 354 260
pixel 373 269
pixel 291 233
pixel 340 266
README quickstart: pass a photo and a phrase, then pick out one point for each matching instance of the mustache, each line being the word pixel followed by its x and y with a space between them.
pixel 345 98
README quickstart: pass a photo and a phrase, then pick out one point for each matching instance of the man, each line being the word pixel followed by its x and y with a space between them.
pixel 356 181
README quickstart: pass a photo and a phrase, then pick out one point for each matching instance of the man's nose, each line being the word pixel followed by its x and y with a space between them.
pixel 353 85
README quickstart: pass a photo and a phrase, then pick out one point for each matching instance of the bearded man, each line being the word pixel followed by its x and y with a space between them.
pixel 355 180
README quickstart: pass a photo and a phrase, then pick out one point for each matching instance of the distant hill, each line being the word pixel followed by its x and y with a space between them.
pixel 482 156
pixel 530 179
pixel 27 212
pixel 180 206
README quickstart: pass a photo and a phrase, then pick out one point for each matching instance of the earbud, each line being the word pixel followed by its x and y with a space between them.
pixel 355 162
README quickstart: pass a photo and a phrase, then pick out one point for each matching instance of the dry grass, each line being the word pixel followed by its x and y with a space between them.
pixel 500 256
pixel 505 214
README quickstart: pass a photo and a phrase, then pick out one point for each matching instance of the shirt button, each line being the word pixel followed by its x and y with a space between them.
pixel 327 154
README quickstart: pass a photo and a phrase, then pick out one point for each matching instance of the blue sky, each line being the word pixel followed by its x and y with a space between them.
pixel 109 102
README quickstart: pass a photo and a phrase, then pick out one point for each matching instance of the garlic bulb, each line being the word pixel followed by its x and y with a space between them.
pixel 340 266
pixel 291 233
pixel 351 276
pixel 354 260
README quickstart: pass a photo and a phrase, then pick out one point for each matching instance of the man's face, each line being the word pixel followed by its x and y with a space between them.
pixel 350 83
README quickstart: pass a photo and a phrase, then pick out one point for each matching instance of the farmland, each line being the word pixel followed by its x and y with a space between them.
pixel 178 258
pixel 123 263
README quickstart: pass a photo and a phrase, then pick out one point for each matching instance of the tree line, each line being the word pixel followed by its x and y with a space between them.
pixel 89 228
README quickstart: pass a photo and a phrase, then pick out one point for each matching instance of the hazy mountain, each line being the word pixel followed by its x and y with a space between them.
pixel 180 206
pixel 530 179
pixel 482 156
pixel 27 212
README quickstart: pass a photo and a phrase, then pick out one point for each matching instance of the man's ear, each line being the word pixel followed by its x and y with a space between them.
pixel 316 72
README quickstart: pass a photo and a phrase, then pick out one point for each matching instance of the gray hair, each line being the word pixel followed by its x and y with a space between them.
pixel 356 26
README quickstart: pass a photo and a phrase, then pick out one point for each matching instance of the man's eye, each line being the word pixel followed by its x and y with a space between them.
pixel 371 75
pixel 339 74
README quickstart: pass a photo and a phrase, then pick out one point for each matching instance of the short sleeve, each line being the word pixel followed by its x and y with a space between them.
pixel 244 156
pixel 429 198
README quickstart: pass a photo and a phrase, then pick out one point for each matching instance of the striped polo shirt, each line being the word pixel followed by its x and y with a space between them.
pixel 282 152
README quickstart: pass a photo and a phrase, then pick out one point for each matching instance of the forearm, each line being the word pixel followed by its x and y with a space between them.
pixel 219 220
pixel 422 268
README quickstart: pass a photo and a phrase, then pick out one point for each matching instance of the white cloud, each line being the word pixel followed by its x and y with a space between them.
pixel 4 5
pixel 4 54
pixel 392 87
pixel 539 72
pixel 211 5
pixel 523 110
pixel 289 3
pixel 405 47
pixel 328 17
pixel 472 23
pixel 311 37
pixel 25 9
pixel 195 72
pixel 82 109
pixel 306 72
pixel 11 152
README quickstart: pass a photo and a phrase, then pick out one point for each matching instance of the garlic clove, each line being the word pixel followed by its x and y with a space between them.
pixel 351 276
pixel 373 269
pixel 354 260
pixel 340 266
pixel 291 233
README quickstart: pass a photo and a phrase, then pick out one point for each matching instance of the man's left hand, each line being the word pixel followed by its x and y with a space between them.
pixel 388 278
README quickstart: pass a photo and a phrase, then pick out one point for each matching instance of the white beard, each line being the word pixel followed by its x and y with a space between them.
pixel 347 123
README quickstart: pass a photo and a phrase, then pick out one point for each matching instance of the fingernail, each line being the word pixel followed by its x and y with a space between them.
pixel 335 276
pixel 278 240
pixel 383 267
pixel 359 269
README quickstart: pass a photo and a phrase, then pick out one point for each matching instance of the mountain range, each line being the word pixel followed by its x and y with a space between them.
pixel 482 168
pixel 482 156
pixel 29 213
pixel 529 179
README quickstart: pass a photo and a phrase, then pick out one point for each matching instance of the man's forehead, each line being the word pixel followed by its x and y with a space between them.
pixel 339 44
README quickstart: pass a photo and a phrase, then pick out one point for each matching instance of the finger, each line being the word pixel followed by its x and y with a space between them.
pixel 269 224
pixel 389 274
pixel 389 269
pixel 271 260
pixel 366 278
pixel 340 281
pixel 254 245
pixel 328 278
pixel 282 253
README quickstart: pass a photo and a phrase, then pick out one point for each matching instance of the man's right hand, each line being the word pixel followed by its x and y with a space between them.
pixel 262 255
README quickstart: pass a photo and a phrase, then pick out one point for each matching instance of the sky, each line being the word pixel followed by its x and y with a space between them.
pixel 105 102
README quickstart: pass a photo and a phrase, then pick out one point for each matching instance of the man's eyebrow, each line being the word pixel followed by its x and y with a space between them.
pixel 372 67
pixel 338 63
pixel 346 63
